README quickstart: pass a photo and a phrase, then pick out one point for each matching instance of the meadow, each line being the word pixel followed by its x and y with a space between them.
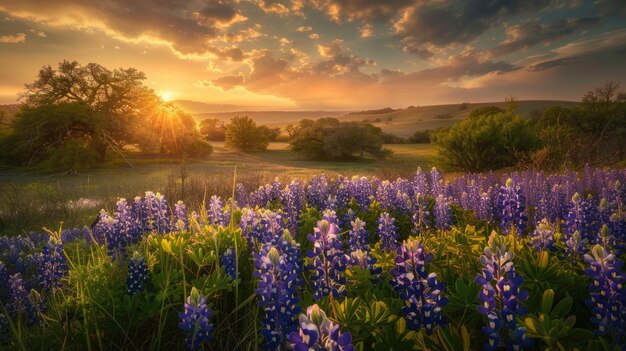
pixel 30 201
pixel 424 261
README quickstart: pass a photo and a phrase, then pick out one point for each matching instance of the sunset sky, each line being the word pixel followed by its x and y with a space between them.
pixel 325 54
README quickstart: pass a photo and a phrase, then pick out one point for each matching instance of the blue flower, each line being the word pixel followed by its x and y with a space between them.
pixel 137 274
pixel 318 333
pixel 277 295
pixel 181 221
pixel 542 238
pixel 387 232
pixel 53 265
pixel 422 292
pixel 229 262
pixel 501 297
pixel 215 212
pixel 327 261
pixel 511 208
pixel 608 293
pixel 443 215
pixel 195 321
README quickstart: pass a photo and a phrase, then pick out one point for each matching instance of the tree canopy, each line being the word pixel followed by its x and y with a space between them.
pixel 328 138
pixel 243 134
pixel 93 109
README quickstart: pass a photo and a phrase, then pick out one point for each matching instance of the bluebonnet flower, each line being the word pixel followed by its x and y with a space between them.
pixel 103 227
pixel 75 234
pixel 608 293
pixel 327 261
pixel 501 297
pixel 331 217
pixel 387 232
pixel 127 226
pixel 421 214
pixel 215 212
pixel 229 262
pixel 154 212
pixel 270 229
pixel 358 237
pixel 291 249
pixel 575 245
pixel 580 219
pixel 277 296
pixel 19 301
pixel 361 191
pixel 485 206
pixel 137 274
pixel 542 238
pixel 318 333
pixel 240 195
pixel 317 192
pixel 359 249
pixel 511 208
pixel 248 223
pixel 421 291
pixel 436 182
pixel 4 276
pixel 293 198
pixel 419 184
pixel 195 321
pixel 53 265
pixel 443 214
pixel 181 221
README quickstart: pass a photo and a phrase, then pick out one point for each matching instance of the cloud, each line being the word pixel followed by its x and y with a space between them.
pixel 227 82
pixel 273 7
pixel 611 7
pixel 443 23
pixel 184 26
pixel 530 33
pixel 366 31
pixel 304 29
pixel 361 10
pixel 314 36
pixel 38 33
pixel 284 41
pixel 232 53
pixel 247 34
pixel 545 65
pixel 13 38
pixel 330 49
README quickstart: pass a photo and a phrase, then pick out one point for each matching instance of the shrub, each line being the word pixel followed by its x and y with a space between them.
pixel 486 143
pixel 243 134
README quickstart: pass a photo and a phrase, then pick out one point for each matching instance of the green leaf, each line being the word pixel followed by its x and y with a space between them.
pixel 561 308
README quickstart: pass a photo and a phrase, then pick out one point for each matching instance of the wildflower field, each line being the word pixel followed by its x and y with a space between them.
pixel 480 261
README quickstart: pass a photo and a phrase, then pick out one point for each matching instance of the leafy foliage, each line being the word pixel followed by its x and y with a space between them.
pixel 243 134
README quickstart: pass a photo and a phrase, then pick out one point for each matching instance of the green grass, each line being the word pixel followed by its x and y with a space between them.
pixel 30 201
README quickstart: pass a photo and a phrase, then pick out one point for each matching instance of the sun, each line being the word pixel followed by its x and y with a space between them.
pixel 167 96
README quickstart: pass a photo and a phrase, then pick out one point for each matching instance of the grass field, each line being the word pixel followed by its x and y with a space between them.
pixel 30 201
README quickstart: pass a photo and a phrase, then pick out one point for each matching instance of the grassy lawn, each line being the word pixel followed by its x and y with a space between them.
pixel 30 201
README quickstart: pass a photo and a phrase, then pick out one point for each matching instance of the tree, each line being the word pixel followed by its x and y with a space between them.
pixel 118 95
pixel 327 138
pixel 38 131
pixel 243 134
pixel 270 133
pixel 212 129
pixel 486 142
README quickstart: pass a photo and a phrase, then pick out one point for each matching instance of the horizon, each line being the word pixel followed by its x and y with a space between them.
pixel 325 55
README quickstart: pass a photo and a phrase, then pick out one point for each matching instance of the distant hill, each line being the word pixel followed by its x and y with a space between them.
pixel 404 122
pixel 401 122
pixel 196 107
pixel 273 118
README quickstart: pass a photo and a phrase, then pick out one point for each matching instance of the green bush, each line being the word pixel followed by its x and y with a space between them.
pixel 486 142
pixel 243 134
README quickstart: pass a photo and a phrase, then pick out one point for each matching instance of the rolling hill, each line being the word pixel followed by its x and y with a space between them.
pixel 401 122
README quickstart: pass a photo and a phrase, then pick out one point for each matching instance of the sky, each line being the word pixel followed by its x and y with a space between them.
pixel 325 54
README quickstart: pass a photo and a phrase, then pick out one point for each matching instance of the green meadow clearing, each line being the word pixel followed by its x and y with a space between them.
pixel 30 201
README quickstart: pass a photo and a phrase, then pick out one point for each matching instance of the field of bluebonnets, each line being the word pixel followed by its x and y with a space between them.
pixel 517 261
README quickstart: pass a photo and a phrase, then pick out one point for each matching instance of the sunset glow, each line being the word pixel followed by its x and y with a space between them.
pixel 334 54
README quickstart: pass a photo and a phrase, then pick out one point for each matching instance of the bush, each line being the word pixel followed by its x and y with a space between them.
pixel 486 143
pixel 421 137
pixel 485 111
pixel 243 134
